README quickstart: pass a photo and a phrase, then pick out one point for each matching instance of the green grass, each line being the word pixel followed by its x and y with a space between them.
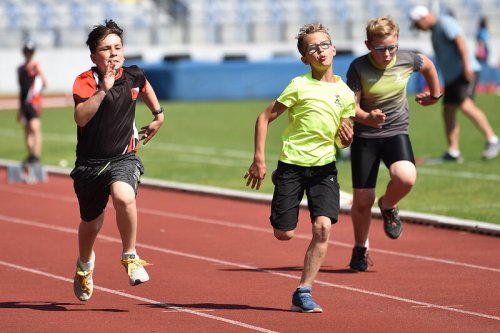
pixel 211 143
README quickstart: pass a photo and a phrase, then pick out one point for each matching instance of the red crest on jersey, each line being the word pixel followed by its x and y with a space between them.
pixel 135 93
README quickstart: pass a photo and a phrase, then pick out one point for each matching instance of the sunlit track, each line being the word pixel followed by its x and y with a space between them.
pixel 30 223
pixel 139 298
pixel 239 225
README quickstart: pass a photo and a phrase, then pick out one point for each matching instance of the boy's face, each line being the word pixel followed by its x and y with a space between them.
pixel 318 51
pixel 110 49
pixel 383 49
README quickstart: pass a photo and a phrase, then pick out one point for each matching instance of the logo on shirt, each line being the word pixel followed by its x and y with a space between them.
pixel 135 93
pixel 338 102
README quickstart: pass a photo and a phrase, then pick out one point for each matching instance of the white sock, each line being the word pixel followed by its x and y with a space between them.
pixel 125 255
pixel 454 152
pixel 365 244
pixel 493 140
pixel 87 266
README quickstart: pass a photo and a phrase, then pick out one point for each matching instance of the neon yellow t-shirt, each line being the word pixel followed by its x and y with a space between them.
pixel 315 109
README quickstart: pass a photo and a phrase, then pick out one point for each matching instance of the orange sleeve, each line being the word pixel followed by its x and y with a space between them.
pixel 84 87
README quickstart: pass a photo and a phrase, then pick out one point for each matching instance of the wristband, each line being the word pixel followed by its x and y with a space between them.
pixel 437 97
pixel 157 112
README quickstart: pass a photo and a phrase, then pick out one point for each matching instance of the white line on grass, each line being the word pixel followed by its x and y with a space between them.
pixel 220 156
pixel 142 299
pixel 238 225
pixel 248 267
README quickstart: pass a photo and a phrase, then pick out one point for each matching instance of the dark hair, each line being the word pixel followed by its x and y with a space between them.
pixel 102 31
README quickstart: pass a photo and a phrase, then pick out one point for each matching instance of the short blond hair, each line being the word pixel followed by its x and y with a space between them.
pixel 383 26
pixel 308 29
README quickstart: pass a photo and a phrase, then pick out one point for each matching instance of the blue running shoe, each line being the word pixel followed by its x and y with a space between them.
pixel 302 301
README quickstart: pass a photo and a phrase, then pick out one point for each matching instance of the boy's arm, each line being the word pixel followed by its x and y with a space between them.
pixel 257 170
pixel 84 111
pixel 42 76
pixel 430 75
pixel 374 118
pixel 149 98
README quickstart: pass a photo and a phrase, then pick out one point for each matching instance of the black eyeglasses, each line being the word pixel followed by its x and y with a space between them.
pixel 310 49
pixel 390 48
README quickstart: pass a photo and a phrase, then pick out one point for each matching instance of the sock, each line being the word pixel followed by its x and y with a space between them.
pixel 365 244
pixel 87 266
pixel 493 140
pixel 125 255
pixel 454 152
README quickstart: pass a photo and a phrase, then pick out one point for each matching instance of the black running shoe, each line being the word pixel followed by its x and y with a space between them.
pixel 360 260
pixel 392 224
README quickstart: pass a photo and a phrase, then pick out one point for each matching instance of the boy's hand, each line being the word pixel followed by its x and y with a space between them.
pixel 375 118
pixel 255 175
pixel 149 131
pixel 108 79
pixel 345 133
pixel 424 98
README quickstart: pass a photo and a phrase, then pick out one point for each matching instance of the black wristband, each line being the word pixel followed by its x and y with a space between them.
pixel 157 112
pixel 437 97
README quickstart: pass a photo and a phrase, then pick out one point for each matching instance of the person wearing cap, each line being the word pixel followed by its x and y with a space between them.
pixel 32 81
pixel 460 70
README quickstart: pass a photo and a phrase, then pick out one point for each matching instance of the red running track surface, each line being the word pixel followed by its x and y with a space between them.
pixel 217 268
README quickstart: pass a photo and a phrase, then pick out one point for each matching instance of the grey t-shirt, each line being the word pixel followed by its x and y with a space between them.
pixel 384 89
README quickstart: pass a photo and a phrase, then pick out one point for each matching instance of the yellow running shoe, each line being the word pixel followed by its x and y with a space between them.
pixel 83 285
pixel 135 268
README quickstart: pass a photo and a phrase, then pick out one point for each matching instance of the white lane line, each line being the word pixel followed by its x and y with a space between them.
pixel 308 237
pixel 248 267
pixel 142 299
pixel 229 224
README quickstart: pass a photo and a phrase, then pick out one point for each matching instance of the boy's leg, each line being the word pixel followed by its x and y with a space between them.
pixel 87 234
pixel 363 199
pixel 403 176
pixel 316 251
pixel 83 283
pixel 123 196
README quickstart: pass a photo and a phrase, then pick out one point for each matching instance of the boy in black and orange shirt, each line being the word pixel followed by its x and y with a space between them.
pixel 106 164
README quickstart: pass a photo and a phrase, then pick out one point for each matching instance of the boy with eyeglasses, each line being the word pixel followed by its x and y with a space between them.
pixel 381 129
pixel 319 106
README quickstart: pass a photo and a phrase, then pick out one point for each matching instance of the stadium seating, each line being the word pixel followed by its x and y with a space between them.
pixel 65 23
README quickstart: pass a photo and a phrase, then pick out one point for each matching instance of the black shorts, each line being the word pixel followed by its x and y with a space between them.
pixel 92 180
pixel 367 153
pixel 28 111
pixel 459 89
pixel 321 187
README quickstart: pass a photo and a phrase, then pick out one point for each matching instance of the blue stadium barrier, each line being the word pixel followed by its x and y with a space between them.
pixel 186 80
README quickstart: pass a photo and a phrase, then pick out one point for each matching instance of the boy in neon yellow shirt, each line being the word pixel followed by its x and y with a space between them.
pixel 319 108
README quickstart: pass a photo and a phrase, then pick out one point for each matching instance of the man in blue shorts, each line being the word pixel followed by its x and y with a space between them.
pixel 319 108
pixel 460 69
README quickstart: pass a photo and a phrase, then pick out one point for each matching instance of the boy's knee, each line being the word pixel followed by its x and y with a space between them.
pixel 283 235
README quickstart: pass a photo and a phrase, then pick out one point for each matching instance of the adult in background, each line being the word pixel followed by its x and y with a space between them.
pixel 32 81
pixel 460 69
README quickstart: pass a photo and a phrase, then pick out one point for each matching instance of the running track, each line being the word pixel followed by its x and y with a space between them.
pixel 217 268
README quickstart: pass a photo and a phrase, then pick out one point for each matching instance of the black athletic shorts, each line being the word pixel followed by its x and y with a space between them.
pixel 367 153
pixel 92 180
pixel 28 111
pixel 457 90
pixel 290 182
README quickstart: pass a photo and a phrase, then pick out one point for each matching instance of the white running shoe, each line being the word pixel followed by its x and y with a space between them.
pixel 83 285
pixel 135 268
